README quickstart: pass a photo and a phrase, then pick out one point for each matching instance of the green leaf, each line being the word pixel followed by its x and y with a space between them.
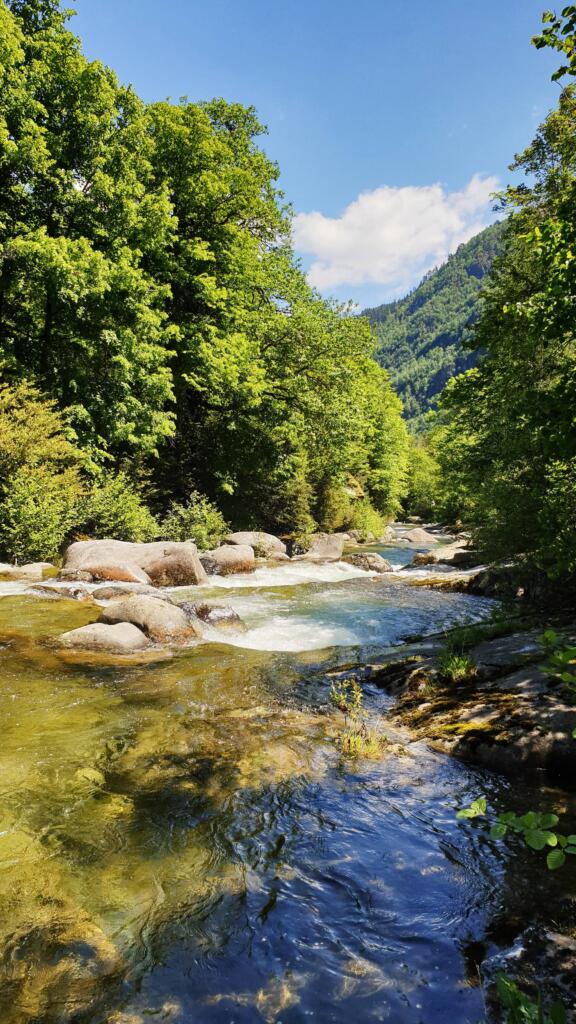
pixel 555 859
pixel 549 820
pixel 537 839
pixel 570 849
pixel 498 831
pixel 530 820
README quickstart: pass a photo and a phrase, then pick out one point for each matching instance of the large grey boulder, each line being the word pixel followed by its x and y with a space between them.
pixel 165 563
pixel 325 547
pixel 162 621
pixel 122 638
pixel 368 561
pixel 33 571
pixel 228 559
pixel 419 536
pixel 265 545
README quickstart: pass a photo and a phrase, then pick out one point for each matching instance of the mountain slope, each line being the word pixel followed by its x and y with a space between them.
pixel 420 337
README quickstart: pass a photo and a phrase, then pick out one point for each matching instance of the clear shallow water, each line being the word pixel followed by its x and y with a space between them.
pixel 181 841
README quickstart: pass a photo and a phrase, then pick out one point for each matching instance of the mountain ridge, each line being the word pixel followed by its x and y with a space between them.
pixel 421 338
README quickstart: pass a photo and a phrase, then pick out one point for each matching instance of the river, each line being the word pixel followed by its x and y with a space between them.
pixel 182 841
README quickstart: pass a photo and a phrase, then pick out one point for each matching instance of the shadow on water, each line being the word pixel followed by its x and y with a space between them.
pixel 181 840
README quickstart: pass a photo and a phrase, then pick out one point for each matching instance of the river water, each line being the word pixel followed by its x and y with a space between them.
pixel 182 841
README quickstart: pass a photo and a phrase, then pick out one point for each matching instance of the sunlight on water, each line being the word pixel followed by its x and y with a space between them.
pixel 180 840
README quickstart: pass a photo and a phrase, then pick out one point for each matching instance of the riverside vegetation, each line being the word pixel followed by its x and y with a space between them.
pixel 167 374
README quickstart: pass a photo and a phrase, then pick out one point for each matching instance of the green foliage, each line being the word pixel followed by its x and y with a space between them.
pixel 520 1009
pixel 114 508
pixel 421 339
pixel 40 479
pixel 198 520
pixel 476 809
pixel 537 830
pixel 37 511
pixel 506 438
pixel 366 519
pixel 356 739
pixel 559 33
pixel 561 662
pixel 423 488
pixel 147 284
pixel 346 695
pixel 454 666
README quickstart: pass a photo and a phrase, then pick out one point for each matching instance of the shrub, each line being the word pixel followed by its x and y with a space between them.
pixel 333 507
pixel 366 519
pixel 198 520
pixel 38 510
pixel 454 665
pixel 115 508
pixel 40 482
pixel 33 432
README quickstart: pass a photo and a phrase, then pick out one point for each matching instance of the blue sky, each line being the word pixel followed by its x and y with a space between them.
pixel 417 108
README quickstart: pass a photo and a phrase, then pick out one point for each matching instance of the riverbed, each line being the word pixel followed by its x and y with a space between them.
pixel 182 840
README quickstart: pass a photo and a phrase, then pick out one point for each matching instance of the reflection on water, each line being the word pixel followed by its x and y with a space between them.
pixel 180 841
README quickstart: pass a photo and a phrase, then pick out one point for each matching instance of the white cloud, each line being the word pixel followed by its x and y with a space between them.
pixel 392 236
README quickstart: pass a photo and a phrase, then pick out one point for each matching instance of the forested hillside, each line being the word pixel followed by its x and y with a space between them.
pixel 148 290
pixel 421 339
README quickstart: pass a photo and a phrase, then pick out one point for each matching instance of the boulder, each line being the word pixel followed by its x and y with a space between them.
pixel 73 593
pixel 420 537
pixel 265 545
pixel 179 569
pixel 325 547
pixel 389 536
pixel 121 638
pixel 228 559
pixel 450 554
pixel 220 615
pixel 368 561
pixel 110 593
pixel 162 621
pixel 33 571
pixel 75 575
pixel 359 536
pixel 170 563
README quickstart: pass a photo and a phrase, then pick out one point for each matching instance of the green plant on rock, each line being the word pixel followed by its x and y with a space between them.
pixel 454 665
pixel 198 520
pixel 537 830
pixel 356 739
pixel 115 508
pixel 521 1009
pixel 561 662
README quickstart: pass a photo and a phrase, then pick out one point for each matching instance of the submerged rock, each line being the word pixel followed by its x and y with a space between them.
pixel 359 536
pixel 162 562
pixel 369 561
pixel 33 571
pixel 121 638
pixel 265 545
pixel 222 616
pixel 73 593
pixel 162 621
pixel 228 559
pixel 110 593
pixel 455 554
